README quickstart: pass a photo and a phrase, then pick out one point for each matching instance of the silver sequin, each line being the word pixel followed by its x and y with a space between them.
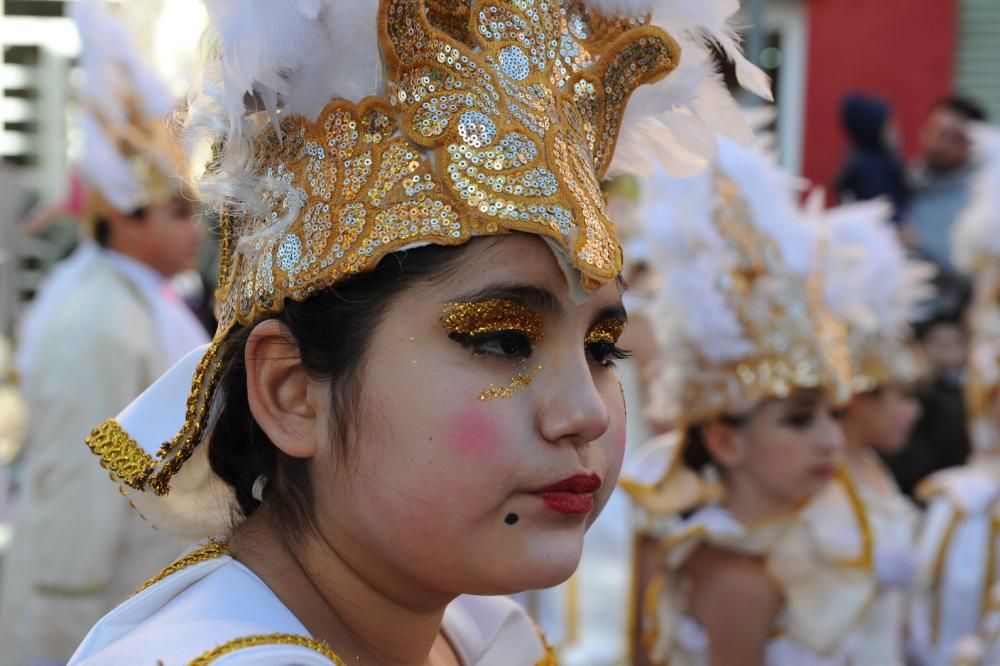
pixel 476 129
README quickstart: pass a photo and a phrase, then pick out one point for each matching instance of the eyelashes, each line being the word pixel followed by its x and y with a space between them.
pixel 506 329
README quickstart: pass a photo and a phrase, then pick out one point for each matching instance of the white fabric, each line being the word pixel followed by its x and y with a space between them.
pixel 953 550
pixel 824 599
pixel 78 548
pixel 211 603
pixel 892 519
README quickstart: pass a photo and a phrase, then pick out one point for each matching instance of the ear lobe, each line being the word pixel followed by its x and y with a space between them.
pixel 724 443
pixel 278 390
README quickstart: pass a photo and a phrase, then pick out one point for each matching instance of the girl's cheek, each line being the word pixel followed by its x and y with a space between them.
pixel 473 432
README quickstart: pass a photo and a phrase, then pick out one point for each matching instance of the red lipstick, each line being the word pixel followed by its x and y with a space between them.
pixel 573 495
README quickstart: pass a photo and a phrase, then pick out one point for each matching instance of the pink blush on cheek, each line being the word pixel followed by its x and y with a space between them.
pixel 474 432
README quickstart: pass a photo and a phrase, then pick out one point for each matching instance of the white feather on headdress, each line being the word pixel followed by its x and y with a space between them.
pixel 116 81
pixel 687 109
pixel 976 235
pixel 870 283
pixel 692 311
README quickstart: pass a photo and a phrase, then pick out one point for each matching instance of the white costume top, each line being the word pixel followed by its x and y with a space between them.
pixel 820 557
pixel 892 519
pixel 103 328
pixel 208 608
pixel 959 554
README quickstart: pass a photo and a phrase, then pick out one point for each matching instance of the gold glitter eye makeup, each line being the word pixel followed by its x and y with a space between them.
pixel 601 342
pixel 607 331
pixel 495 315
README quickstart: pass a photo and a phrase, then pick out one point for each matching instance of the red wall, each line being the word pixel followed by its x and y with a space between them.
pixel 902 50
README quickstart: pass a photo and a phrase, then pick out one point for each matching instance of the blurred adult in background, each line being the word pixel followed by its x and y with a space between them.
pixel 101 329
pixel 873 167
pixel 940 178
pixel 940 438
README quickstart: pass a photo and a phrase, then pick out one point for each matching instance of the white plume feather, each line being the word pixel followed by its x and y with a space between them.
pixel 297 55
pixel 695 87
pixel 870 282
pixel 113 71
pixel 688 250
pixel 976 235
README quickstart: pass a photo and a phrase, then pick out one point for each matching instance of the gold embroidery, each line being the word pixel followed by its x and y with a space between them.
pixel 209 551
pixel 247 642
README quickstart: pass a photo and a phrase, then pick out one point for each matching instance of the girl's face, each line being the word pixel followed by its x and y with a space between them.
pixel 882 418
pixel 786 450
pixel 490 429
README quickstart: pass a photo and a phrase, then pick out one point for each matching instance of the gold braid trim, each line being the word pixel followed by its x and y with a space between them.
pixel 261 640
pixel 209 551
pixel 120 454
pixel 127 461
pixel 180 448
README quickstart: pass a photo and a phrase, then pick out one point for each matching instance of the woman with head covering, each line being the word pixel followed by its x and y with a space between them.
pixel 411 394
pixel 754 556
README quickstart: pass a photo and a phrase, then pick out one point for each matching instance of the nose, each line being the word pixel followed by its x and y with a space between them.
pixel 572 409
pixel 830 435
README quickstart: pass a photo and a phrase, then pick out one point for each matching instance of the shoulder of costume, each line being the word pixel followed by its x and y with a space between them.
pixel 969 489
pixel 495 631
pixel 206 608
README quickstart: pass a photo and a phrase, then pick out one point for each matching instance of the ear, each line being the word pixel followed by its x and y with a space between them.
pixel 281 394
pixel 724 442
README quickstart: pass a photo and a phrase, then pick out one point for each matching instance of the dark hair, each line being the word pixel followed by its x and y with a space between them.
pixel 963 106
pixel 696 454
pixel 332 330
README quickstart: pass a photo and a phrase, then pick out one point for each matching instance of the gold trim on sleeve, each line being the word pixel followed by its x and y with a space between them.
pixel 262 640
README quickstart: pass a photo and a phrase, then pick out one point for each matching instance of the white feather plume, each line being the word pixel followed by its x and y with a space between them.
pixel 298 54
pixel 692 256
pixel 976 235
pixel 695 88
pixel 870 282
pixel 114 71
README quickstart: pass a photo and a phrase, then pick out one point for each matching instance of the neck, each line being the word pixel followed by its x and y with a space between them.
pixel 337 602
pixel 750 505
pixel 855 447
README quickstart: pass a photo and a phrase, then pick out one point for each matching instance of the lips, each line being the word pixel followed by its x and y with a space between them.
pixel 573 495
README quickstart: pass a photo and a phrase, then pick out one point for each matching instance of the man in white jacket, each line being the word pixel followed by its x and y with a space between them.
pixel 102 328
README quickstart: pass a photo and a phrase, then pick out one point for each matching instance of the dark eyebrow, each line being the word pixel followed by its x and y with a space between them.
pixel 805 399
pixel 531 296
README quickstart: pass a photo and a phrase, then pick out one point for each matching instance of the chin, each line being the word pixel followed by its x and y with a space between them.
pixel 536 567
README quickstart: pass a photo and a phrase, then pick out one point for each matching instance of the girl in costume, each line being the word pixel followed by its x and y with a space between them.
pixel 411 394
pixel 960 535
pixel 873 288
pixel 756 557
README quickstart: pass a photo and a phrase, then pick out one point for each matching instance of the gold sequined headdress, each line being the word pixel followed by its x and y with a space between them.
pixel 487 117
pixel 129 157
pixel 739 315
pixel 874 289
